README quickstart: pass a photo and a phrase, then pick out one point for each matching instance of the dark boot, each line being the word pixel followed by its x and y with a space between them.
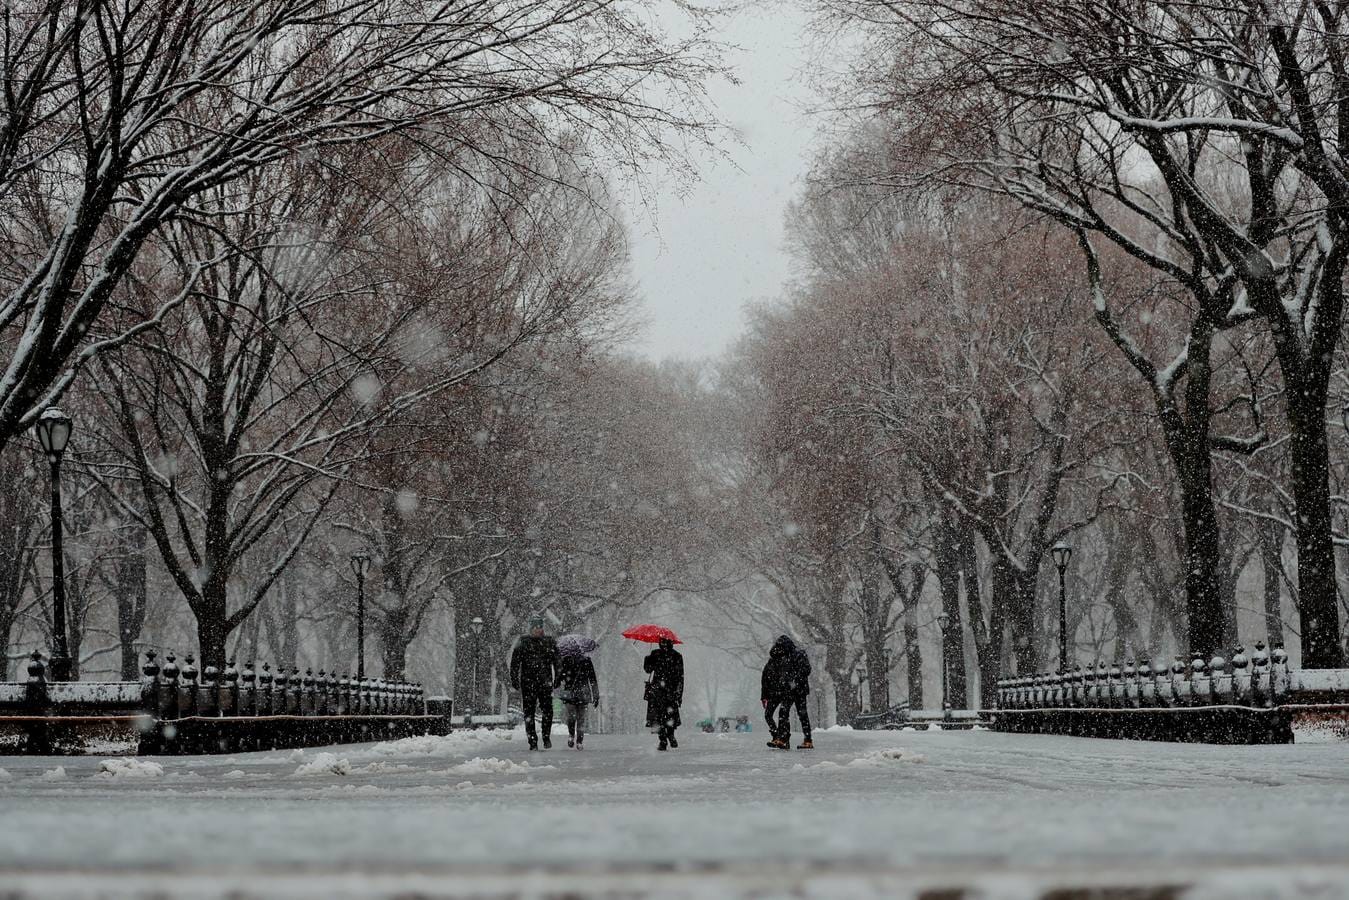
pixel 674 745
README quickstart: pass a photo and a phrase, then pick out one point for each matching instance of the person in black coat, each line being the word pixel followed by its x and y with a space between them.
pixel 533 669
pixel 579 689
pixel 664 691
pixel 786 682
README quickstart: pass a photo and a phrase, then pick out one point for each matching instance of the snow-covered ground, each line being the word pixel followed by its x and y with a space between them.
pixel 890 814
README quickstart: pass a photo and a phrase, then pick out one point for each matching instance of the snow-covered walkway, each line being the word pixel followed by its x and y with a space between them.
pixel 866 814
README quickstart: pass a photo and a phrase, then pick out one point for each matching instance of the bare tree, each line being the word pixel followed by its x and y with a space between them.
pixel 123 115
pixel 1200 141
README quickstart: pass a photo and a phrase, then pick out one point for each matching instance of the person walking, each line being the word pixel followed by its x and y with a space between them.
pixel 578 689
pixel 785 683
pixel 533 670
pixel 664 691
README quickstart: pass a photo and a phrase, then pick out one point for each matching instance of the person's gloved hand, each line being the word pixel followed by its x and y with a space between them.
pixel 765 703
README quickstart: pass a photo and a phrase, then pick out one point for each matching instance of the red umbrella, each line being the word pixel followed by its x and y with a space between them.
pixel 651 634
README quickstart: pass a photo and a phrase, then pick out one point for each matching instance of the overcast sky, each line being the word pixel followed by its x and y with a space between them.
pixel 699 258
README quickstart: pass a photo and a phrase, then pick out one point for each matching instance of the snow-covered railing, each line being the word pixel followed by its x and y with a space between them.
pixel 173 693
pixel 1245 699
pixel 176 710
pixel 1259 680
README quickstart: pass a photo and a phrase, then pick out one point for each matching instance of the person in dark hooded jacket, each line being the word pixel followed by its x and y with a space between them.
pixel 786 682
pixel 580 689
pixel 664 692
pixel 533 669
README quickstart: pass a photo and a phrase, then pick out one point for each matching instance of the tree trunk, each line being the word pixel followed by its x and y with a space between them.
pixel 1233 562
pixel 914 655
pixel 131 603
pixel 1271 564
pixel 1318 598
pixel 846 705
pixel 394 654
pixel 1187 441
pixel 875 619
pixel 210 611
pixel 985 649
pixel 1128 635
pixel 949 565
pixel 281 617
pixel 393 641
pixel 1012 605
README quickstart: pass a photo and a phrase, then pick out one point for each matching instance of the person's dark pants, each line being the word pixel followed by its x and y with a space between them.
pixel 781 729
pixel 779 726
pixel 801 713
pixel 543 699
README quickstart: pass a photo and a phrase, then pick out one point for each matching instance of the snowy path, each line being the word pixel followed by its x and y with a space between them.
pixel 1001 815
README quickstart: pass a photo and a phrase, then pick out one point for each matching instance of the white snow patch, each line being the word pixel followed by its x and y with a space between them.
pixel 4 775
pixel 325 764
pixel 57 774
pixel 129 767
pixel 235 773
pixel 379 767
pixel 493 766
pixel 836 728
pixel 875 759
pixel 350 790
pixel 454 744
pixel 880 758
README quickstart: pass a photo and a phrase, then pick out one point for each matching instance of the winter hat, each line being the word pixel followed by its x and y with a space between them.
pixel 535 622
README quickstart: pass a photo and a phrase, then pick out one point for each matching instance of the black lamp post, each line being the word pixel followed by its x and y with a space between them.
pixel 943 621
pixel 360 564
pixel 53 433
pixel 1062 552
pixel 476 624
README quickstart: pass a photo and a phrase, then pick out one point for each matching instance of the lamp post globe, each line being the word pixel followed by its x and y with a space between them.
pixel 1062 553
pixel 53 433
pixel 360 565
